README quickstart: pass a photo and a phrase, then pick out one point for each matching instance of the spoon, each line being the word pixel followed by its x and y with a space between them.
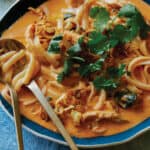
pixel 8 45
pixel 16 45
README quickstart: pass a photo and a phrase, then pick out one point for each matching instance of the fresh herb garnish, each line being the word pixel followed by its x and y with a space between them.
pixel 115 72
pixel 98 43
pixel 101 16
pixel 66 70
pixel 74 49
pixel 85 70
pixel 110 80
pixel 128 11
pixel 120 34
pixel 54 45
pixel 135 21
pixel 71 59
pixel 104 83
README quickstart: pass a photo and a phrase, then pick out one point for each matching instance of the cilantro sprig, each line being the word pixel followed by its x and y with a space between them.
pixel 115 72
pixel 135 21
pixel 104 83
pixel 72 57
pixel 111 79
pixel 101 16
pixel 87 69
pixel 99 42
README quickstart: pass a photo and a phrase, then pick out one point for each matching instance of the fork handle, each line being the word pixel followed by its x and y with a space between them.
pixel 17 118
pixel 39 95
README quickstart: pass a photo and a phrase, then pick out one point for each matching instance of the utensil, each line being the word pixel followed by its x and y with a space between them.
pixel 17 117
pixel 20 8
pixel 8 44
pixel 37 92
pixel 16 45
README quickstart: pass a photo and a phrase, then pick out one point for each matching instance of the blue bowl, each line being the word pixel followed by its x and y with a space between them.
pixel 19 8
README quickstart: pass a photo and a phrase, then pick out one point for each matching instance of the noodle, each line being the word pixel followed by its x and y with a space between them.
pixel 85 78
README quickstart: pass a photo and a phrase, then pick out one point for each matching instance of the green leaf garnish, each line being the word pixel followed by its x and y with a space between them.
pixel 66 70
pixel 115 72
pixel 101 16
pixel 120 34
pixel 135 21
pixel 104 83
pixel 98 43
pixel 75 49
pixel 113 75
pixel 85 70
pixel 54 45
pixel 128 11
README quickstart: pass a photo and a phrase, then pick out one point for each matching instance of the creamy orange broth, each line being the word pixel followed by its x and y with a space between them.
pixel 135 115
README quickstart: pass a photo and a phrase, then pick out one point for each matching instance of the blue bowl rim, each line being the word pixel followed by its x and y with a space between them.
pixel 96 142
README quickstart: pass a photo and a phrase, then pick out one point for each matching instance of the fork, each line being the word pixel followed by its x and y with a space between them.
pixel 39 95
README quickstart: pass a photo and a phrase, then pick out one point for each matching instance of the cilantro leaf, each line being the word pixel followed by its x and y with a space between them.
pixel 115 72
pixel 128 11
pixel 101 16
pixel 71 59
pixel 104 83
pixel 112 80
pixel 97 65
pixel 119 34
pixel 135 21
pixel 54 44
pixel 98 43
pixel 144 28
pixel 85 70
pixel 66 70
pixel 124 34
pixel 76 48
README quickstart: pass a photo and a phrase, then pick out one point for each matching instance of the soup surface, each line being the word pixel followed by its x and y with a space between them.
pixel 79 122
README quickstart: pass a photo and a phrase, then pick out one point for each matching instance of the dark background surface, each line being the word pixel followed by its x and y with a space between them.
pixel 31 142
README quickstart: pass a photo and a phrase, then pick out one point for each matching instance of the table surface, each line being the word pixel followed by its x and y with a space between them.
pixel 31 142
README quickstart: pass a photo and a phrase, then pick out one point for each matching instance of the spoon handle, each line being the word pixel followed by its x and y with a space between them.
pixel 37 92
pixel 17 118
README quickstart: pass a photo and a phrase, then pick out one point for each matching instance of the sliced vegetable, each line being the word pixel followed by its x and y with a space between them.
pixel 66 70
pixel 54 45
pixel 125 99
pixel 68 15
